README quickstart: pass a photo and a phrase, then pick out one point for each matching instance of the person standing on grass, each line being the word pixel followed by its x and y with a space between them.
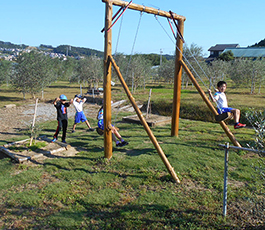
pixel 221 100
pixel 114 131
pixel 61 107
pixel 80 116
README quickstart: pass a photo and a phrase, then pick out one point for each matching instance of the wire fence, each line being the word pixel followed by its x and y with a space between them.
pixel 259 207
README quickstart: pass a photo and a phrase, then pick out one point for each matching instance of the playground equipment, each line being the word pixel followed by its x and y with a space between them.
pixel 179 64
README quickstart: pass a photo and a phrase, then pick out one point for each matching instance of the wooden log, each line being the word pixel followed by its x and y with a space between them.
pixel 13 155
pixel 36 156
pixel 117 103
pixel 145 9
pixel 15 143
pixel 10 106
pixel 145 125
pixel 46 152
pixel 125 107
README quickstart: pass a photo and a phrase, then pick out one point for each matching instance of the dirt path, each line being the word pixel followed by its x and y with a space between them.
pixel 12 120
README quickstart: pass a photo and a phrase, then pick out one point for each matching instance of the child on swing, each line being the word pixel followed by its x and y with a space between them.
pixel 221 100
pixel 114 131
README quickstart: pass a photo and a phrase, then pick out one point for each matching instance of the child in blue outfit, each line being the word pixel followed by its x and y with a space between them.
pixel 80 116
pixel 115 133
pixel 61 107
pixel 221 100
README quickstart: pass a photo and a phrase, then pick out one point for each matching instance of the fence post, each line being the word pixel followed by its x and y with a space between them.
pixel 148 103
pixel 225 180
pixel 33 122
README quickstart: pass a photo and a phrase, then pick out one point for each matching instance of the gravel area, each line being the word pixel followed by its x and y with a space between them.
pixel 12 120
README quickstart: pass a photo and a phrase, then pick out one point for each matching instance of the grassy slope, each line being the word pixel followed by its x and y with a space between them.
pixel 133 190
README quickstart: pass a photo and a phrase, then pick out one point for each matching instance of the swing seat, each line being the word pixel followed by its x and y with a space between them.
pixel 224 116
pixel 100 131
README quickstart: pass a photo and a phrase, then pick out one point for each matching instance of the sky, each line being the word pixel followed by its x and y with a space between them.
pixel 78 23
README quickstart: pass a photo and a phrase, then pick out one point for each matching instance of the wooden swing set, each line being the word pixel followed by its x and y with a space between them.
pixel 109 62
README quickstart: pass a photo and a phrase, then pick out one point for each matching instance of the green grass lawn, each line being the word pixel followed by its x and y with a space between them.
pixel 133 190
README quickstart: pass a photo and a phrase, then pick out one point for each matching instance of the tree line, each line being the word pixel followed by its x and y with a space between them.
pixel 33 71
pixel 247 73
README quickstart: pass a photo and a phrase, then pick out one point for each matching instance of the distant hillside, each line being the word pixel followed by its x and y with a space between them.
pixel 63 49
pixel 77 51
pixel 260 44
pixel 9 45
pixel 80 51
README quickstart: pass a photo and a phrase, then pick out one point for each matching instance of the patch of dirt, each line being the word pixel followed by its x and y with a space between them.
pixel 13 120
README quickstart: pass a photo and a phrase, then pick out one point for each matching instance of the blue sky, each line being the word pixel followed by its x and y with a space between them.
pixel 79 22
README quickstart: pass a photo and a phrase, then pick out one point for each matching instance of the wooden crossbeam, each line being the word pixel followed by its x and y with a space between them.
pixel 146 9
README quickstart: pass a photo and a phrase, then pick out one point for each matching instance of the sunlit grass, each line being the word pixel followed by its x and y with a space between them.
pixel 133 190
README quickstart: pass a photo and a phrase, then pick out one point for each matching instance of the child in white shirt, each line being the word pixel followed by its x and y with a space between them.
pixel 221 100
pixel 80 116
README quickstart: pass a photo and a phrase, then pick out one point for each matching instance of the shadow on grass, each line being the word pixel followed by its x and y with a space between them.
pixel 101 216
pixel 18 132
pixel 138 152
pixel 64 86
pixel 10 99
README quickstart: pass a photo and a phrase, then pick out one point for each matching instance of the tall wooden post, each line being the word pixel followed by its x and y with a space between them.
pixel 177 82
pixel 107 82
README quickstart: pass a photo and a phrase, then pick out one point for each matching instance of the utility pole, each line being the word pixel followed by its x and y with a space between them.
pixel 161 52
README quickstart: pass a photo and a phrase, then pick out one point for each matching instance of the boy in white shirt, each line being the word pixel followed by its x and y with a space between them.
pixel 221 100
pixel 80 116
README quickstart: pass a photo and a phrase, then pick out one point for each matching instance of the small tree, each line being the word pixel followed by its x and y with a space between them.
pixel 259 73
pixel 166 71
pixel 240 72
pixel 193 56
pixel 5 71
pixel 139 70
pixel 88 70
pixel 123 62
pixel 67 68
pixel 96 70
pixel 218 70
pixel 247 72
pixel 32 73
pixel 226 56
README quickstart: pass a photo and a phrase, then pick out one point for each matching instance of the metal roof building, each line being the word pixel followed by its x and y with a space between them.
pixel 255 52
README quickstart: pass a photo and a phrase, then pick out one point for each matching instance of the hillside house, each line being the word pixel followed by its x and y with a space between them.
pixel 216 50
